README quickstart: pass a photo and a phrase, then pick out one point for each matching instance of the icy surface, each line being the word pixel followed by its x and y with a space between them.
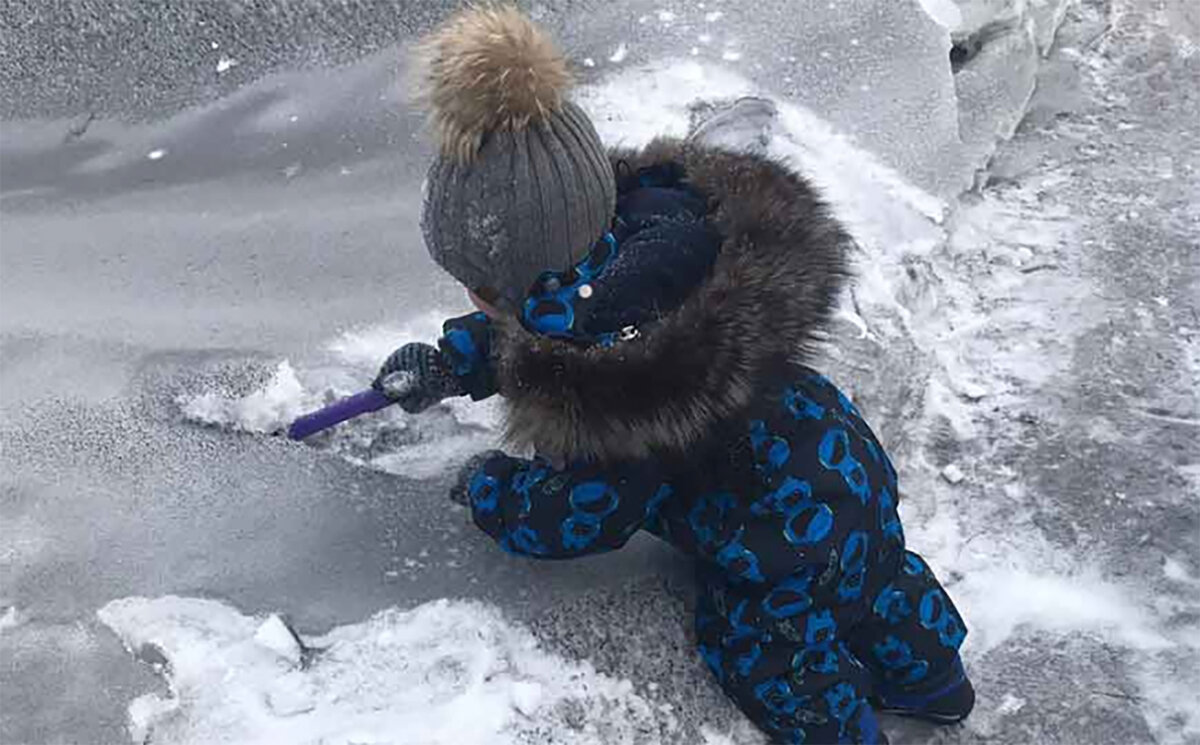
pixel 1039 337
pixel 446 672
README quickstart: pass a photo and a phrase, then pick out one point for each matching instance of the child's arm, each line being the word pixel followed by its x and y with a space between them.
pixel 418 375
pixel 466 346
pixel 533 509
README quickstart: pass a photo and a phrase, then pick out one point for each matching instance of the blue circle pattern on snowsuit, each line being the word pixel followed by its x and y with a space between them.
pixel 857 616
pixel 591 502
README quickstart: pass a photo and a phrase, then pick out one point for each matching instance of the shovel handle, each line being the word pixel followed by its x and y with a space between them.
pixel 337 412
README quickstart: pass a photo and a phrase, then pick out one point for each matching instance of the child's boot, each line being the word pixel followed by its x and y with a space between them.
pixel 948 702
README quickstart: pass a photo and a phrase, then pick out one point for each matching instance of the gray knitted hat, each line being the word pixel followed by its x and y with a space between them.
pixel 521 183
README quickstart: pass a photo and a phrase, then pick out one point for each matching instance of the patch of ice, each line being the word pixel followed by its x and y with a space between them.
pixel 225 64
pixel 619 55
pixel 156 154
pixel 450 672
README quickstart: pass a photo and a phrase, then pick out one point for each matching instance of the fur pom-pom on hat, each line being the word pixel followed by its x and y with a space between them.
pixel 521 183
pixel 488 68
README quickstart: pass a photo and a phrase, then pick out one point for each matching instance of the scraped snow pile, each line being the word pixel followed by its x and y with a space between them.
pixel 266 410
pixel 390 440
pixel 447 672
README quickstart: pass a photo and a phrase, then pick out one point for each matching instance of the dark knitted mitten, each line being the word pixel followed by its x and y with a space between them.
pixel 416 377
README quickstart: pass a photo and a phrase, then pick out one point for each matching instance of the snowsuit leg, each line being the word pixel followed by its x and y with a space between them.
pixel 909 641
pixel 799 683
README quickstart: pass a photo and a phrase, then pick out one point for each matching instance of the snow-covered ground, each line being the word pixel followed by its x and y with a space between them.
pixel 174 292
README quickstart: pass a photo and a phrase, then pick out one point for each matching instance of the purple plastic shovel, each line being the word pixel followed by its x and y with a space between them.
pixel 337 412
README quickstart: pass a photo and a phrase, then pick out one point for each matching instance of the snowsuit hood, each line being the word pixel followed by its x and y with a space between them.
pixel 773 284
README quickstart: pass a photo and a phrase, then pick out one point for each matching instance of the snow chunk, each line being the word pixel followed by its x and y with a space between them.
pixel 447 672
pixel 10 619
pixel 945 12
pixel 953 474
pixel 275 635
pixel 267 410
pixel 972 391
pixel 156 154
pixel 226 63
pixel 1171 568
pixel 1010 704
pixel 526 697
pixel 619 55
pixel 144 711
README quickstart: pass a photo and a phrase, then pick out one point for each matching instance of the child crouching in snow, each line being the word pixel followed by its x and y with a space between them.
pixel 645 315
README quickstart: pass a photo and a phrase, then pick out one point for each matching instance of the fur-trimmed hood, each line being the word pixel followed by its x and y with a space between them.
pixel 775 280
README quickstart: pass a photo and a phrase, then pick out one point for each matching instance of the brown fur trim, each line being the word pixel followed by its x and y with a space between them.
pixel 775 281
pixel 488 68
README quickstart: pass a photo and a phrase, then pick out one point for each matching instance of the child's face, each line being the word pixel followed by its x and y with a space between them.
pixel 483 305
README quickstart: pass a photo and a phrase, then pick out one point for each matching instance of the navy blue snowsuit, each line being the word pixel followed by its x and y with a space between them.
pixel 810 608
